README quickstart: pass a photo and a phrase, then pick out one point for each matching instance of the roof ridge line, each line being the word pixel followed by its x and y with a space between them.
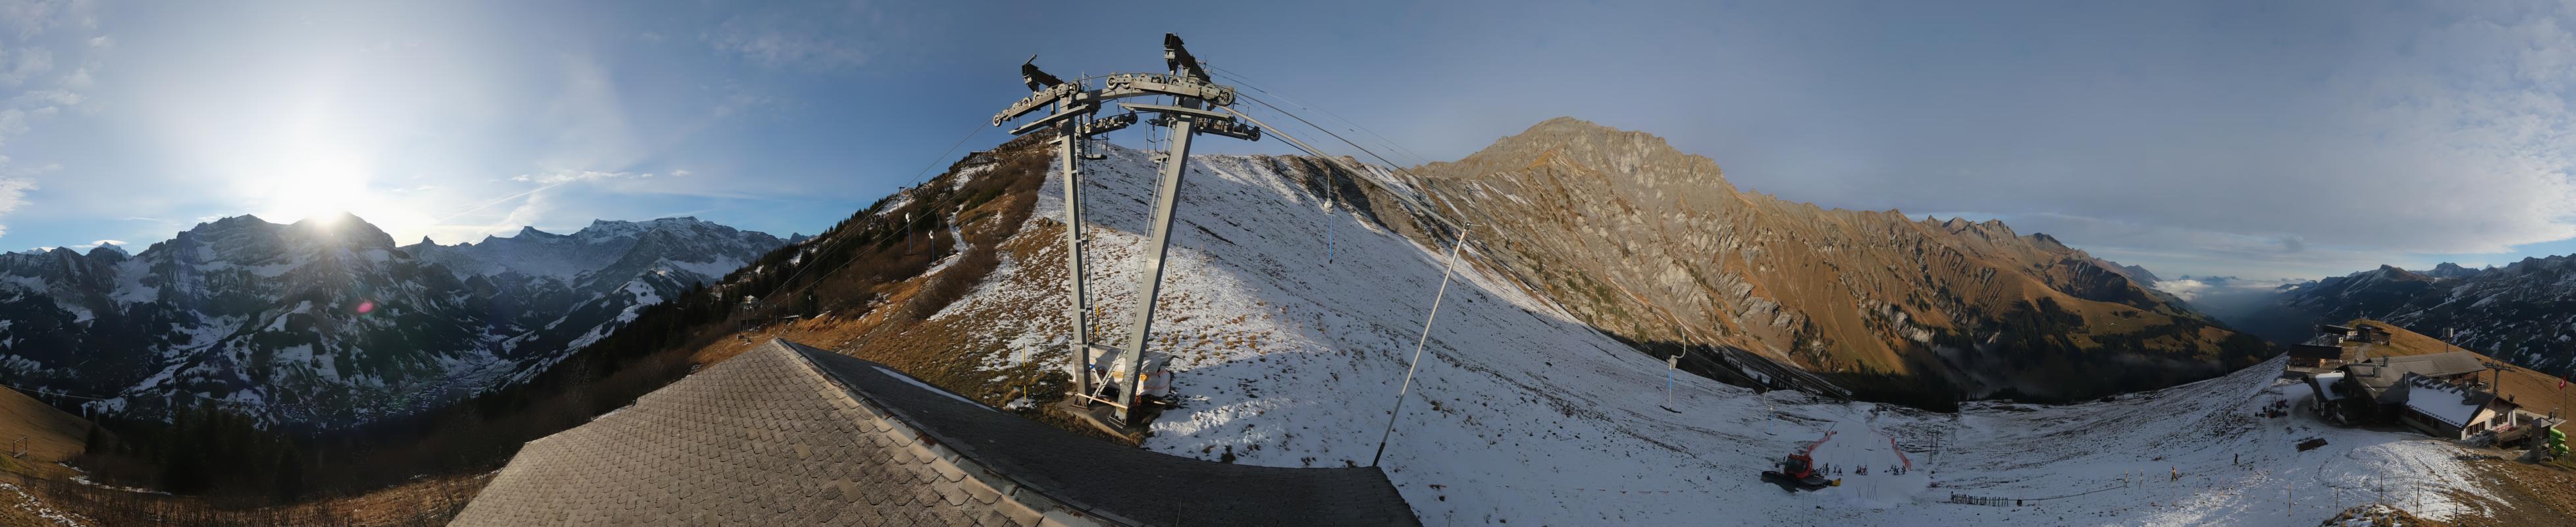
pixel 1018 488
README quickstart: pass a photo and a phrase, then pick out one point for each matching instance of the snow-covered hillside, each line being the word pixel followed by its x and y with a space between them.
pixel 1521 415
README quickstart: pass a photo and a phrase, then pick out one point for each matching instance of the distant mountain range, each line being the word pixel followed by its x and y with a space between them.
pixel 2524 313
pixel 326 322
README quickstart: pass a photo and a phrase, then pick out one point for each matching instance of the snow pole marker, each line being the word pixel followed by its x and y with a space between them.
pixel 1669 364
pixel 1407 387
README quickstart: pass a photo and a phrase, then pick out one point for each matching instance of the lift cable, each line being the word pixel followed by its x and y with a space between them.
pixel 1448 270
pixel 917 179
pixel 1238 78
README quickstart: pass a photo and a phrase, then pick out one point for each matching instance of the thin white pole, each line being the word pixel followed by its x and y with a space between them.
pixel 1407 387
pixel 1668 382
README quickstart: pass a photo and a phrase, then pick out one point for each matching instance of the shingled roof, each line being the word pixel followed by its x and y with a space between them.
pixel 792 435
pixel 2379 374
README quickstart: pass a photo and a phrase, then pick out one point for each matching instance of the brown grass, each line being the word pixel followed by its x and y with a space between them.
pixel 427 501
pixel 51 436
pixel 896 327
pixel 2537 392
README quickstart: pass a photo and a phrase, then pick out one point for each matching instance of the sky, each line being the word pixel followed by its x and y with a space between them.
pixel 2260 140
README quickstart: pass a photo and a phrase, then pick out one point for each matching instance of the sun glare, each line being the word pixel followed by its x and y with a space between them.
pixel 316 190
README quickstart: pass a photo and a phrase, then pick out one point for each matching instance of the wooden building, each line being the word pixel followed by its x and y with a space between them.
pixel 2376 390
pixel 2450 410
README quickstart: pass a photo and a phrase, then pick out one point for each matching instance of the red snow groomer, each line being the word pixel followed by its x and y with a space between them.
pixel 1798 472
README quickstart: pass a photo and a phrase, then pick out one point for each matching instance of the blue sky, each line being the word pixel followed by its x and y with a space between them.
pixel 2276 139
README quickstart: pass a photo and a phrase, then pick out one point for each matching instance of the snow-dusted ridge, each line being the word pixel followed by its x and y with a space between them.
pixel 1520 414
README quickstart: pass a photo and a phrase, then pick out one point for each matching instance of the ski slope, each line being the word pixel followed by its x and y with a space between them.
pixel 1520 415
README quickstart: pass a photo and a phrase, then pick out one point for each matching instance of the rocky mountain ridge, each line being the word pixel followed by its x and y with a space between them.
pixel 1656 246
pixel 2524 312
pixel 326 322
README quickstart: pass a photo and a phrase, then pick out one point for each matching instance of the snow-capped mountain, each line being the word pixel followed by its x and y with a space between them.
pixel 1291 317
pixel 325 321
pixel 563 291
pixel 2524 312
pixel 2294 310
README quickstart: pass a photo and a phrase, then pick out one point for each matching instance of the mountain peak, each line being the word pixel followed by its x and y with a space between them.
pixel 2451 270
pixel 232 222
pixel 2044 241
pixel 1578 134
pixel 344 228
pixel 1576 148
pixel 1568 123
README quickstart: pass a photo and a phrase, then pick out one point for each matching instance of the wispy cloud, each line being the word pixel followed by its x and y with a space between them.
pixel 2193 289
pixel 570 176
pixel 24 64
pixel 827 38
pixel 13 194
pixel 26 19
pixel 96 244
pixel 27 64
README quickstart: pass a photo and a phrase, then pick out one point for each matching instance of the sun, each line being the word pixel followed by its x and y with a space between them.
pixel 320 187
pixel 322 184
pixel 312 162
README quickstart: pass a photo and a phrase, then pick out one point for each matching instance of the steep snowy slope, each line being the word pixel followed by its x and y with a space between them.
pixel 1520 414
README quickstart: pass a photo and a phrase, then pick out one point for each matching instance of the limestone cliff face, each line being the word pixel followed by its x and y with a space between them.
pixel 1654 245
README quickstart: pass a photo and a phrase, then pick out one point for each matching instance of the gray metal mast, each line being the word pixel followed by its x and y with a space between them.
pixel 1069 148
pixel 1167 193
pixel 1072 103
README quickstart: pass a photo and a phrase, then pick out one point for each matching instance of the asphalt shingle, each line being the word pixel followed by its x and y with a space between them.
pixel 792 435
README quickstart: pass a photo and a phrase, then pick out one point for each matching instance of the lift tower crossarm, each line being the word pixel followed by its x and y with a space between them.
pixel 1060 117
pixel 1042 99
pixel 1124 85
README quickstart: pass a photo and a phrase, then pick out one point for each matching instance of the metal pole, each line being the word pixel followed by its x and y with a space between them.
pixel 1069 150
pixel 1141 324
pixel 1418 344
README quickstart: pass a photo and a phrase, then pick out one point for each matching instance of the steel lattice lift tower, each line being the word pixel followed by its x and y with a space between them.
pixel 1072 107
